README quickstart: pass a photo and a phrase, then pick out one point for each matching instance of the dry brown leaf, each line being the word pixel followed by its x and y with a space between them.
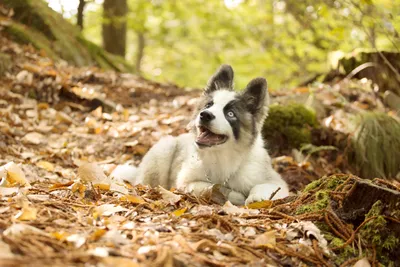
pixel 34 138
pixel 267 239
pixel 235 210
pixel 168 196
pixel 108 210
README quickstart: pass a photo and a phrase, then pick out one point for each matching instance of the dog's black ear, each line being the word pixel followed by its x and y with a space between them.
pixel 222 79
pixel 256 97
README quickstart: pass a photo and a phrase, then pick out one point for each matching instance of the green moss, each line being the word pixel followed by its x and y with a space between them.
pixel 345 253
pixel 321 202
pixel 313 185
pixel 377 233
pixel 291 122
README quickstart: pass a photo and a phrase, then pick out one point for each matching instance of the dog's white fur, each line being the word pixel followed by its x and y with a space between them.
pixel 242 167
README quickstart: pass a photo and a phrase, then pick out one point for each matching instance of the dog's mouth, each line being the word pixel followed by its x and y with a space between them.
pixel 206 138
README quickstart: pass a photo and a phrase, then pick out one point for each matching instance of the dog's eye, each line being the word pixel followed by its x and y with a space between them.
pixel 231 114
pixel 209 104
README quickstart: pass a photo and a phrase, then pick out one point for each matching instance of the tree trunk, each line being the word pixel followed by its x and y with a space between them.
pixel 81 8
pixel 140 51
pixel 114 26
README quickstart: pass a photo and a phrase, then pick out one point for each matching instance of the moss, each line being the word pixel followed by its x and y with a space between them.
pixel 377 233
pixel 345 253
pixel 291 122
pixel 321 202
pixel 326 182
pixel 313 185
pixel 375 146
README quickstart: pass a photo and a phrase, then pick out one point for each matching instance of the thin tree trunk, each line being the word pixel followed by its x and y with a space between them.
pixel 81 8
pixel 114 26
pixel 140 51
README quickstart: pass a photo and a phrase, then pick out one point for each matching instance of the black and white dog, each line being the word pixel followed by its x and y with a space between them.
pixel 224 147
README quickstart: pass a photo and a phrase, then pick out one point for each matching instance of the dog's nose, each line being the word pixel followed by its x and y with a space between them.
pixel 206 116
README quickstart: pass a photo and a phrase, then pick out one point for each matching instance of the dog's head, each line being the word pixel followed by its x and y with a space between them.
pixel 227 117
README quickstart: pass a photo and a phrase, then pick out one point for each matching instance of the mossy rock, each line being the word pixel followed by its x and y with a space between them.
pixel 376 146
pixel 288 126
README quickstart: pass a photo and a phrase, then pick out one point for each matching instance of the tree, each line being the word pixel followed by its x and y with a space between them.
pixel 114 26
pixel 81 8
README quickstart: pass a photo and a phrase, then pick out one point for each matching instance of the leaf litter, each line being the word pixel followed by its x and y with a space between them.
pixel 64 150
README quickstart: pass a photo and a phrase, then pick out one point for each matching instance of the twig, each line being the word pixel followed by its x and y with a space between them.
pixel 274 193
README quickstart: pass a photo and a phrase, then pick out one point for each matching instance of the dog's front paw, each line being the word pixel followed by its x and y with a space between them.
pixel 255 198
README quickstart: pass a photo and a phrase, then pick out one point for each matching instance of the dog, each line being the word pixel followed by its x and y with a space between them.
pixel 224 146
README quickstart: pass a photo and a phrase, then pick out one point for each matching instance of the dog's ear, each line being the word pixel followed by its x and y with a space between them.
pixel 222 79
pixel 256 98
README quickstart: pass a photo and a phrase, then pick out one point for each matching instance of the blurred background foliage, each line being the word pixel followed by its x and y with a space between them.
pixel 286 41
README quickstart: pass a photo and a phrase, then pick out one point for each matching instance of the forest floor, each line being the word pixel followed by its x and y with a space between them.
pixel 64 130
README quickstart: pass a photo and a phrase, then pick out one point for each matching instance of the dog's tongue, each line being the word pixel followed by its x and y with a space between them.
pixel 208 138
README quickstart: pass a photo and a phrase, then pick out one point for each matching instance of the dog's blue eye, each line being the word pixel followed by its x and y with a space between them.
pixel 231 114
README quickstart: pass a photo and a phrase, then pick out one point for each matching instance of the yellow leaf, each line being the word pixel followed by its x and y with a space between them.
pixel 15 175
pixel 45 165
pixel 61 236
pixel 132 199
pixel 78 187
pixel 27 213
pixel 179 212
pixel 260 204
pixel 98 234
pixel 60 185
pixel 105 187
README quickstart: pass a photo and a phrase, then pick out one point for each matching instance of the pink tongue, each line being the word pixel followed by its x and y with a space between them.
pixel 208 137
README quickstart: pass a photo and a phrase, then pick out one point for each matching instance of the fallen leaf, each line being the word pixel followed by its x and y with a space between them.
pixel 19 228
pixel 105 187
pixel 235 210
pixel 132 199
pixel 168 196
pixel 8 191
pixel 15 175
pixel 219 235
pixel 34 138
pixel 61 185
pixel 27 213
pixel 45 165
pixel 266 239
pixel 77 240
pixel 265 204
pixel 118 261
pixel 109 209
pixel 179 212
pixel 97 234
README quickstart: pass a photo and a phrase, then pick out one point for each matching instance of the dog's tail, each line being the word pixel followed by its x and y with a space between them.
pixel 126 173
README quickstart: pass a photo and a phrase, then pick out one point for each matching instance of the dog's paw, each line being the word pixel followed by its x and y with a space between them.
pixel 255 198
pixel 265 191
pixel 236 198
